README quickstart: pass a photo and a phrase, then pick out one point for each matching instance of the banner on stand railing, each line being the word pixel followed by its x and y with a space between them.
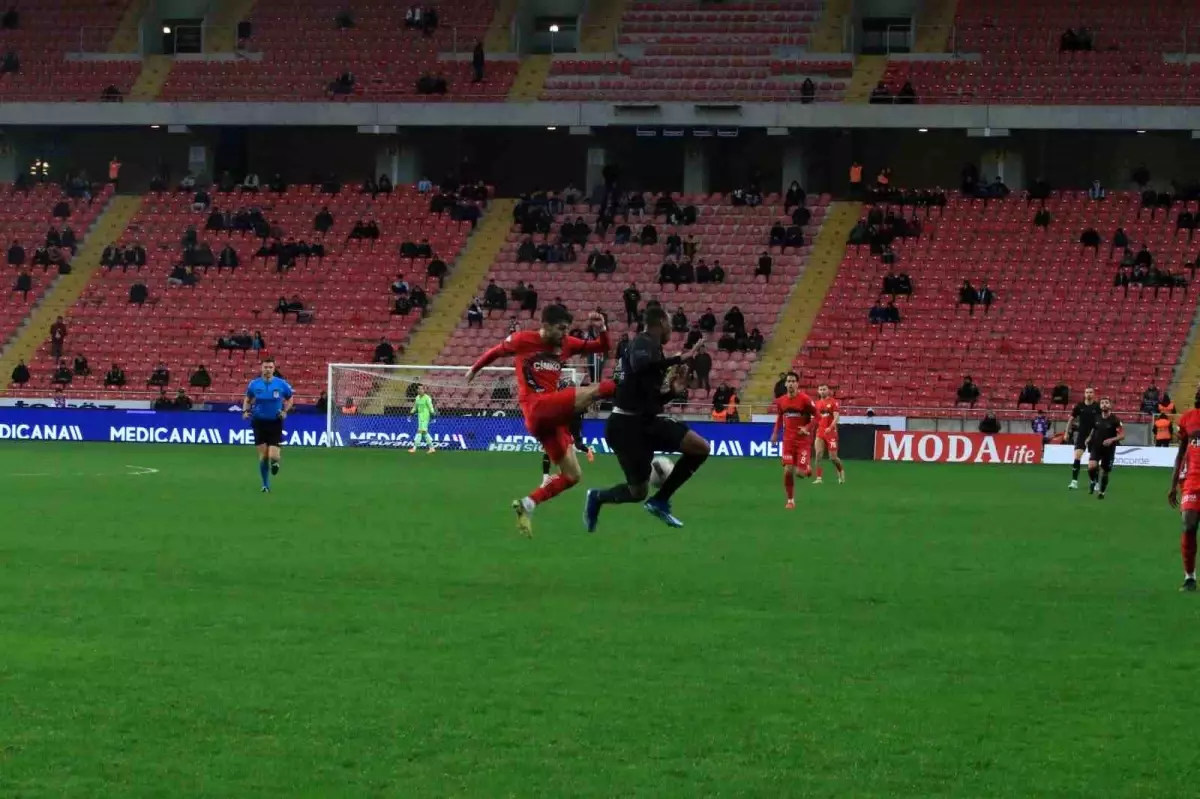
pixel 934 447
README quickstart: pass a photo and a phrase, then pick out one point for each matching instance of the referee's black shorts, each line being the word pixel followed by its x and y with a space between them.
pixel 635 439
pixel 268 431
pixel 1103 456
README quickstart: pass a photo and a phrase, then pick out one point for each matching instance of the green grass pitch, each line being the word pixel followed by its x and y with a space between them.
pixel 376 628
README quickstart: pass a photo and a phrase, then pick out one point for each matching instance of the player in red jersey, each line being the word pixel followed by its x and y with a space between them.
pixel 549 410
pixel 796 411
pixel 1189 456
pixel 828 413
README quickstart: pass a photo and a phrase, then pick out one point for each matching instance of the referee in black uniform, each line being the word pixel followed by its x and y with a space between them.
pixel 636 428
pixel 1102 447
pixel 1083 419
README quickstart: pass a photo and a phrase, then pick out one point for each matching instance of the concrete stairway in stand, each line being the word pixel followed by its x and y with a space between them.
pixel 796 319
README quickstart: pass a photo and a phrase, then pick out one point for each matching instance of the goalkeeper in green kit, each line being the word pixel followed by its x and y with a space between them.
pixel 423 408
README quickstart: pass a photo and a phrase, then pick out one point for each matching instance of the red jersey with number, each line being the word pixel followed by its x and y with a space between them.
pixel 795 415
pixel 826 410
pixel 1189 436
pixel 538 363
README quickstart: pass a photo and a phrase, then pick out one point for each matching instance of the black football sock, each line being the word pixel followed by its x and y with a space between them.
pixel 1075 470
pixel 685 467
pixel 1103 482
pixel 545 465
pixel 617 495
pixel 1092 474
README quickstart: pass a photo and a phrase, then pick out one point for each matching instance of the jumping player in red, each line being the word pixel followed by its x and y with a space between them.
pixel 828 413
pixel 796 411
pixel 549 410
pixel 1189 455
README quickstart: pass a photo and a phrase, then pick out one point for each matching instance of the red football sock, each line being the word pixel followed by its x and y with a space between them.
pixel 558 484
pixel 789 484
pixel 820 472
pixel 1187 546
pixel 606 388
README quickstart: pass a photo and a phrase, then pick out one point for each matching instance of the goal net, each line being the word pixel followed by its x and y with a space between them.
pixel 374 405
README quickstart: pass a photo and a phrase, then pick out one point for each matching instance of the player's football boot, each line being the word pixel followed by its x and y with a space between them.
pixel 431 450
pixel 266 490
pixel 1074 484
pixel 1189 584
pixel 524 519
pixel 412 450
pixel 791 503
pixel 591 510
pixel 662 511
pixel 1091 488
pixel 1100 495
pixel 818 481
pixel 841 478
pixel 274 467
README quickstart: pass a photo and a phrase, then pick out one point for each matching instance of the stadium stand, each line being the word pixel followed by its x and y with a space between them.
pixel 1022 57
pixel 688 50
pixel 1057 314
pixel 26 217
pixel 303 51
pixel 736 236
pixel 49 30
pixel 347 292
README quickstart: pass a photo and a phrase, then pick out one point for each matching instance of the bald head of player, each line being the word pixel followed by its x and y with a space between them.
pixel 556 320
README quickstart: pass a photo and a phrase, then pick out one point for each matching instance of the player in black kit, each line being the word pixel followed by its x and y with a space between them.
pixel 1102 447
pixel 1083 419
pixel 636 428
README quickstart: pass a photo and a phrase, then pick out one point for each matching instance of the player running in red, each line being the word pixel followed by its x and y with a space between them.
pixel 828 413
pixel 549 410
pixel 796 411
pixel 1189 456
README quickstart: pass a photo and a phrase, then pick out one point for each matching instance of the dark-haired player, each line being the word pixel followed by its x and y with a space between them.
pixel 1083 418
pixel 828 413
pixel 636 428
pixel 1187 468
pixel 267 402
pixel 796 411
pixel 576 430
pixel 1102 447
pixel 548 410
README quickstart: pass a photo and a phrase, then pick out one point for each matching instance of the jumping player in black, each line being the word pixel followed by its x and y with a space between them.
pixel 636 428
pixel 1102 447
pixel 1083 419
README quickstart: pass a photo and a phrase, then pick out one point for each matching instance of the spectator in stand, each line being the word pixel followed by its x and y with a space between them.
pixel 717 273
pixel 80 366
pixel 252 183
pixel 708 321
pixel 632 297
pixel 200 378
pixel 384 351
pixel 990 425
pixel 1090 237
pixel 494 298
pixel 734 322
pixel 907 94
pixel 58 337
pixel 402 306
pixel 1060 395
pixel 526 252
pixel 808 91
pixel 648 236
pixel 679 321
pixel 162 402
pixel 1041 218
pixel 669 272
pixel 530 303
pixel 765 263
pixel 703 273
pixel 138 293
pixel 182 401
pixel 880 94
pixel 23 284
pixel 20 374
pixel 1041 426
pixel 114 377
pixel 1186 221
pixel 400 285
pixel 968 392
pixel 1030 395
pixel 323 221
pixel 16 254
pixel 419 299
pixel 437 270
pixel 687 274
pixel 1096 191
pixel 475 314
pixel 63 374
pixel 700 366
pixel 1150 399
pixel 477 63
pixel 1120 241
pixel 878 313
pixel 161 376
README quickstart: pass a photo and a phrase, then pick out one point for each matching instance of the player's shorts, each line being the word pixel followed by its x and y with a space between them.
pixel 548 419
pixel 422 425
pixel 830 437
pixel 798 452
pixel 635 439
pixel 1103 456
pixel 1190 502
pixel 267 431
pixel 1080 441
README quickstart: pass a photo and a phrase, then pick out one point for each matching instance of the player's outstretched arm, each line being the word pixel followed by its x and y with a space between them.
pixel 515 344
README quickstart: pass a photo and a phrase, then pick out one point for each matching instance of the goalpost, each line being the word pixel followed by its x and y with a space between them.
pixel 371 405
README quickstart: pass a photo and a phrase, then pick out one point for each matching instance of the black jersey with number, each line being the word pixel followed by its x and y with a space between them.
pixel 1106 427
pixel 640 376
pixel 1084 417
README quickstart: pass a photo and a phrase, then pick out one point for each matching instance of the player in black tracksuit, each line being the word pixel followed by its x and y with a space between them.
pixel 1102 447
pixel 1083 419
pixel 636 428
